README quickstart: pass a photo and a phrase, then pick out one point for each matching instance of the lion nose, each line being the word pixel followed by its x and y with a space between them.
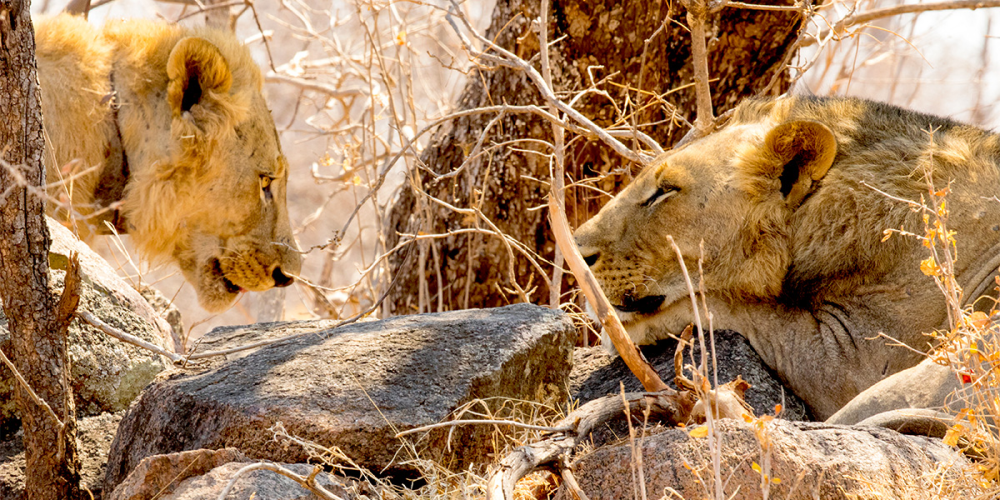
pixel 280 279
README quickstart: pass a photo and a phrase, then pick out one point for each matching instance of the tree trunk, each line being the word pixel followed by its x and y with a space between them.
pixel 747 49
pixel 38 331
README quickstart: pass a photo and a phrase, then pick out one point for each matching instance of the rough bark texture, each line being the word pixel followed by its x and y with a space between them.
pixel 746 49
pixel 39 342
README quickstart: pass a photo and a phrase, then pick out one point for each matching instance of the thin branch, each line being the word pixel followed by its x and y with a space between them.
pixel 512 61
pixel 29 390
pixel 94 321
pixel 841 27
pixel 308 482
pixel 757 6
pixel 313 86
pixel 512 423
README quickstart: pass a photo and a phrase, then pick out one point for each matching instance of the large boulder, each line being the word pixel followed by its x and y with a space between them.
pixel 354 388
pixel 804 460
pixel 597 373
pixel 106 374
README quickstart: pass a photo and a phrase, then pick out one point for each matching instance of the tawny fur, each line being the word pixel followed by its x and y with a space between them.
pixel 808 281
pixel 207 180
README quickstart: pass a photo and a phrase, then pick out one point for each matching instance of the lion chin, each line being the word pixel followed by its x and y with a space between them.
pixel 216 292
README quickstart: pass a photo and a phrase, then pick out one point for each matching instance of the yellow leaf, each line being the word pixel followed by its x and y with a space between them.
pixel 755 467
pixel 698 432
pixel 356 180
pixel 776 480
pixel 747 418
pixel 952 435
pixel 929 267
pixel 979 320
pixel 401 38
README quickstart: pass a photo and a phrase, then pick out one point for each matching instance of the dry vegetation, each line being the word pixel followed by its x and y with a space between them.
pixel 358 86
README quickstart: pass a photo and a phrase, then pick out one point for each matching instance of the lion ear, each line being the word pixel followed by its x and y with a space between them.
pixel 196 69
pixel 806 150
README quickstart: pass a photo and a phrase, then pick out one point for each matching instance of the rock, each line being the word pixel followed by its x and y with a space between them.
pixel 106 373
pixel 927 385
pixel 165 309
pixel 93 440
pixel 256 485
pixel 810 460
pixel 353 387
pixel 162 474
pixel 596 373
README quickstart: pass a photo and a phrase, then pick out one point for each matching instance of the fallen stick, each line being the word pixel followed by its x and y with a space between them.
pixel 669 405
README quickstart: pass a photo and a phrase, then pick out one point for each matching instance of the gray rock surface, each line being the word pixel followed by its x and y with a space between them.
pixel 93 439
pixel 811 460
pixel 255 485
pixel 160 475
pixel 926 385
pixel 353 387
pixel 596 373
pixel 106 373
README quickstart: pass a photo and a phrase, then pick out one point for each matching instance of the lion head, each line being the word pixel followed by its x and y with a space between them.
pixel 726 200
pixel 209 179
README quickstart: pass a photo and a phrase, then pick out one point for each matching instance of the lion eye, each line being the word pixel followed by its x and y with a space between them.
pixel 661 193
pixel 265 185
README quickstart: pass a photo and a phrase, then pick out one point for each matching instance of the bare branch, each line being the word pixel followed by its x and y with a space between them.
pixel 623 343
pixel 510 60
pixel 841 27
pixel 27 388
pixel 313 86
pixel 131 339
pixel 308 482
pixel 697 12
pixel 672 406
pixel 512 423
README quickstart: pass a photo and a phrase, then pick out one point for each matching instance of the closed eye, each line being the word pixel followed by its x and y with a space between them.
pixel 661 193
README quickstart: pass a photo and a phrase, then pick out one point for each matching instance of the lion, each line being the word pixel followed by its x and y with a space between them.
pixel 161 132
pixel 791 201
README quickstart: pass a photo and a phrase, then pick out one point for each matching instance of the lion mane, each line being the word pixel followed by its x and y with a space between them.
pixel 162 132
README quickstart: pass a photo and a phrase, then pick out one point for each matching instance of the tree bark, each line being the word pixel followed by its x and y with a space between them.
pixel 37 329
pixel 747 49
